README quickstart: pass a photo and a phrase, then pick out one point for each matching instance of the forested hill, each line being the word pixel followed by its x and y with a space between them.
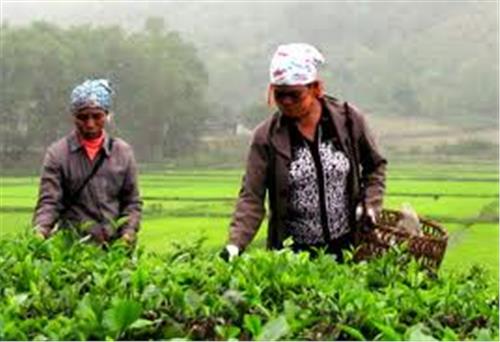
pixel 437 60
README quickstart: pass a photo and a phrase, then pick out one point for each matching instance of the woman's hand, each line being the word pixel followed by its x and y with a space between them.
pixel 365 217
pixel 129 238
pixel 229 252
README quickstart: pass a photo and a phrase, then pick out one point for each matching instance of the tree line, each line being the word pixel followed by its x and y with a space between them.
pixel 159 80
pixel 435 62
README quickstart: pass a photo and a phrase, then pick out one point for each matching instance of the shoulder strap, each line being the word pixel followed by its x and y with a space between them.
pixel 92 173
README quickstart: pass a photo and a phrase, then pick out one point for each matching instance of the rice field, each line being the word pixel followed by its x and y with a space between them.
pixel 182 205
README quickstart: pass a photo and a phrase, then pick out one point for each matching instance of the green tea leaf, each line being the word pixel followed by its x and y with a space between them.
pixel 417 333
pixel 141 323
pixel 253 324
pixel 274 329
pixel 21 298
pixel 139 278
pixel 449 335
pixel 353 332
pixel 388 332
pixel 40 337
pixel 483 334
pixel 122 314
pixel 227 332
pixel 290 309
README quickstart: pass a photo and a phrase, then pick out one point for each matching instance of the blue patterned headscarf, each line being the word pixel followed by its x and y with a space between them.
pixel 92 93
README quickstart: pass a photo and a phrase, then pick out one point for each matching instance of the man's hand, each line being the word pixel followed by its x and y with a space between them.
pixel 229 252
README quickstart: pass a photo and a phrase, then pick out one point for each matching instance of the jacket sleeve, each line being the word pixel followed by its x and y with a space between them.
pixel 373 165
pixel 49 204
pixel 130 201
pixel 250 210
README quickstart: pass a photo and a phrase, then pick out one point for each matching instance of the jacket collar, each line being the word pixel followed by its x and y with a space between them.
pixel 280 137
pixel 74 143
pixel 337 112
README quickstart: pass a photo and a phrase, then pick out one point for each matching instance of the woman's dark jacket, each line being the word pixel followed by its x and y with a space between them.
pixel 267 168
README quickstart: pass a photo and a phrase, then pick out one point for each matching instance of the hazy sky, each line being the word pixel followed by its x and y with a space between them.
pixel 225 30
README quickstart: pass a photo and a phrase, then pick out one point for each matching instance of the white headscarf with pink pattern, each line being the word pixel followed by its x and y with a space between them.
pixel 295 64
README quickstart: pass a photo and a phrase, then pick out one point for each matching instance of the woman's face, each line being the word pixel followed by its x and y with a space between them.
pixel 295 101
pixel 90 122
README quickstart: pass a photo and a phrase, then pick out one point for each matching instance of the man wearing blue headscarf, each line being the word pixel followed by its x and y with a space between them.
pixel 89 179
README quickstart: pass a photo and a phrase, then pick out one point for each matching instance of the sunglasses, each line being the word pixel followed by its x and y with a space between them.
pixel 93 116
pixel 295 95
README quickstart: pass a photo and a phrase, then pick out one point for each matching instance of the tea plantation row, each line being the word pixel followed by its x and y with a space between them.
pixel 63 290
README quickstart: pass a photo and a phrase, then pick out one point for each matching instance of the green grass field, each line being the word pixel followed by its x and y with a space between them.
pixel 183 205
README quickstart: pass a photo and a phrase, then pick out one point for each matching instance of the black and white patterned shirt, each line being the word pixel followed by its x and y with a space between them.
pixel 318 201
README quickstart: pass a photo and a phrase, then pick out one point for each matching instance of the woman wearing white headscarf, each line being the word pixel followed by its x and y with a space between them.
pixel 316 159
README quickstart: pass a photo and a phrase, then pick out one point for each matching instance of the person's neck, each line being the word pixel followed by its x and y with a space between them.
pixel 308 123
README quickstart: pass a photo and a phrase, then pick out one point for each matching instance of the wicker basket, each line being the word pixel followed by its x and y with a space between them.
pixel 428 248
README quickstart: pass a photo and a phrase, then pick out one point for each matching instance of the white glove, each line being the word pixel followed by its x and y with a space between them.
pixel 370 213
pixel 231 251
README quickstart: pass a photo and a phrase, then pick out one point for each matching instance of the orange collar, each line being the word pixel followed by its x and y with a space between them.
pixel 92 146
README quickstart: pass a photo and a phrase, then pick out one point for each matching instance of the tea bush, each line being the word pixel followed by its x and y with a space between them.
pixel 60 289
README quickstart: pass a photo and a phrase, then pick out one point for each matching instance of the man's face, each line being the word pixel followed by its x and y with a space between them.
pixel 295 101
pixel 89 122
